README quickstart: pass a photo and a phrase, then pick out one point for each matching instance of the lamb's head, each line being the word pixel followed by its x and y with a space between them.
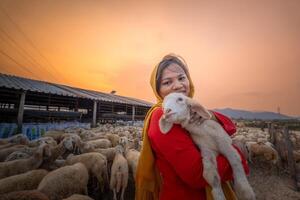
pixel 178 108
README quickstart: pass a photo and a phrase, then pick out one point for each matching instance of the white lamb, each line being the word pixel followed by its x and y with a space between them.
pixel 210 137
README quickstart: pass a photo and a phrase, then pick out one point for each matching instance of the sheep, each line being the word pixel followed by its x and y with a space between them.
pixel 23 165
pixel 119 173
pixel 18 139
pixel 65 181
pixel 132 157
pixel 210 137
pixel 17 155
pixel 58 150
pixel 95 163
pixel 114 139
pixel 78 197
pixel 267 150
pixel 24 195
pixel 5 152
pixel 100 143
pixel 26 181
pixel 39 141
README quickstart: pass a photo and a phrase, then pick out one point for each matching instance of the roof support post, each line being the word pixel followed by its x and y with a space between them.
pixel 133 113
pixel 21 111
pixel 94 114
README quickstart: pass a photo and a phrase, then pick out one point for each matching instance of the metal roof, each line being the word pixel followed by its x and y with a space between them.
pixel 19 83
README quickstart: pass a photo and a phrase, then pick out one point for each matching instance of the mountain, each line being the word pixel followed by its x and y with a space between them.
pixel 236 114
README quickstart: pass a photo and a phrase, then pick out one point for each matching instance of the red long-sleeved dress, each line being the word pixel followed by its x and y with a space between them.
pixel 179 160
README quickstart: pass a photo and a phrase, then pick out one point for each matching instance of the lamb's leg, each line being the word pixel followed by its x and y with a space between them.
pixel 122 193
pixel 210 173
pixel 241 184
pixel 115 194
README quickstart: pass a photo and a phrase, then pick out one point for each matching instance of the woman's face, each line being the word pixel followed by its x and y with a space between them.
pixel 173 79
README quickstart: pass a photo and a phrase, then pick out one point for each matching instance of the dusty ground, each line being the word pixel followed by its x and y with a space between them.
pixel 271 184
pixel 268 183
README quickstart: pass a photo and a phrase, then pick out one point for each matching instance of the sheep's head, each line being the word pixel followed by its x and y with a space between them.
pixel 178 108
pixel 68 143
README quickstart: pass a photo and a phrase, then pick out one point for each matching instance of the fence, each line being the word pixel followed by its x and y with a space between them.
pixel 36 130
pixel 280 137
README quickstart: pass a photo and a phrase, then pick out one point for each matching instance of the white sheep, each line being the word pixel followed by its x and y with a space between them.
pixel 210 137
pixel 65 181
pixel 119 173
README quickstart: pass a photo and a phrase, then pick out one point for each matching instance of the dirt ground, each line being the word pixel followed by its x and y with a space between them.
pixel 269 183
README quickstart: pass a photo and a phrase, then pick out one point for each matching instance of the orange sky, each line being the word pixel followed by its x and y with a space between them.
pixel 243 55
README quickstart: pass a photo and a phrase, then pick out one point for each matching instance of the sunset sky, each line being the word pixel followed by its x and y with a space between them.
pixel 241 54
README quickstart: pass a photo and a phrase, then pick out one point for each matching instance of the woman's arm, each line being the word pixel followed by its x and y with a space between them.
pixel 179 150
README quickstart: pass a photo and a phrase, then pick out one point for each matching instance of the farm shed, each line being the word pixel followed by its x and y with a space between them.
pixel 25 100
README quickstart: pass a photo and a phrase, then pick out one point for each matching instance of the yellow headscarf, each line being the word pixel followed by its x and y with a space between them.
pixel 147 180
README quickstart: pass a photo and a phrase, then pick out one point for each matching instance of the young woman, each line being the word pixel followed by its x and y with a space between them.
pixel 170 165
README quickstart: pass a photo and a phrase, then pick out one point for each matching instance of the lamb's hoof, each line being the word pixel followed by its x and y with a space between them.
pixel 245 193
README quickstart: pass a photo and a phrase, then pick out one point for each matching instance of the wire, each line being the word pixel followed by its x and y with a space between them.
pixel 26 56
pixel 30 42
pixel 16 62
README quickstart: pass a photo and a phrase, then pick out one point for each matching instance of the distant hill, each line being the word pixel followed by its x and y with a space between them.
pixel 236 114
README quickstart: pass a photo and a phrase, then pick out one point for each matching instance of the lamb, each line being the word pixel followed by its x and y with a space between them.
pixel 26 181
pixel 210 137
pixel 95 163
pixel 23 165
pixel 119 173
pixel 65 181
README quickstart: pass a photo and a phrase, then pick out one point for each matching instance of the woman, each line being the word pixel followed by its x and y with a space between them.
pixel 170 166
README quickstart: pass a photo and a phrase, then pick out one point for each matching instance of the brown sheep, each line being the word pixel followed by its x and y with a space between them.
pixel 24 195
pixel 119 173
pixel 96 164
pixel 78 197
pixel 26 181
pixel 24 165
pixel 65 181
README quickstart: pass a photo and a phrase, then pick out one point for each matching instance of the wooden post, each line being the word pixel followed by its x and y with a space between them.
pixel 94 114
pixel 21 111
pixel 290 156
pixel 133 113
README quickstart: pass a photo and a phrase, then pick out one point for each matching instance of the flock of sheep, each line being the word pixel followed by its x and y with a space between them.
pixel 63 164
pixel 67 164
pixel 256 142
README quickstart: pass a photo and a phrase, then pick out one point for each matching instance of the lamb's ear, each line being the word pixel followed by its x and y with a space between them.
pixel 199 109
pixel 164 125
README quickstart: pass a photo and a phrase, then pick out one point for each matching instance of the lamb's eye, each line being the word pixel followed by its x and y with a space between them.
pixel 180 99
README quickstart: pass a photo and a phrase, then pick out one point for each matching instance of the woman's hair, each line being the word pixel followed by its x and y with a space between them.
pixel 167 61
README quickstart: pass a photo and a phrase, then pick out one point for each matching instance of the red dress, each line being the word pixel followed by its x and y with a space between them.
pixel 180 163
